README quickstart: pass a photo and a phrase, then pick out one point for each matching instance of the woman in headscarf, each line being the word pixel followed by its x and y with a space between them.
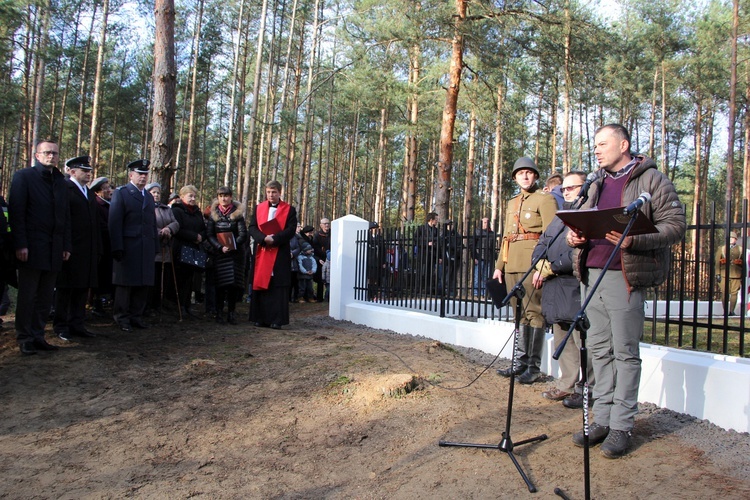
pixel 166 227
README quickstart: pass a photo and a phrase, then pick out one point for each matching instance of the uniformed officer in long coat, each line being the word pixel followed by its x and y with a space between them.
pixel 79 272
pixel 527 216
pixel 132 232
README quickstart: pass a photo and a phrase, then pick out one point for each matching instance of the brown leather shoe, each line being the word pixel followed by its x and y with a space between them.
pixel 556 394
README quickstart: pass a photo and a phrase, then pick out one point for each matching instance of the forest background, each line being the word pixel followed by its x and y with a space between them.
pixel 386 109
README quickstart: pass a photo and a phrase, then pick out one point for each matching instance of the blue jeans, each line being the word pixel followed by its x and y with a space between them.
pixel 481 274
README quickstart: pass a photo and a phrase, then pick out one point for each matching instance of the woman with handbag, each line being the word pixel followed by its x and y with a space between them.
pixel 227 234
pixel 189 256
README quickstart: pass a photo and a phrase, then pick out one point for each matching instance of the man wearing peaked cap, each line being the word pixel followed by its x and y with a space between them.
pixel 140 166
pixel 132 232
pixel 80 162
pixel 79 273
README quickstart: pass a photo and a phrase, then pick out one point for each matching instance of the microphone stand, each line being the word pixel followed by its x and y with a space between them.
pixel 506 445
pixel 581 323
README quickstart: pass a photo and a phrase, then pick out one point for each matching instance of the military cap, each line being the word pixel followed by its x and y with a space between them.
pixel 96 184
pixel 140 166
pixel 374 225
pixel 524 163
pixel 732 234
pixel 82 162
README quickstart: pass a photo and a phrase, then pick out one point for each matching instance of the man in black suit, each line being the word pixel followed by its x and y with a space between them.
pixel 132 232
pixel 79 273
pixel 40 227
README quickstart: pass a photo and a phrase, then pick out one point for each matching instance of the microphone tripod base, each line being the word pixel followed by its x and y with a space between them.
pixel 506 445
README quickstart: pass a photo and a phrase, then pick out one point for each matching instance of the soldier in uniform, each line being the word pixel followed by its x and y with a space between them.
pixel 734 261
pixel 79 273
pixel 528 215
pixel 132 232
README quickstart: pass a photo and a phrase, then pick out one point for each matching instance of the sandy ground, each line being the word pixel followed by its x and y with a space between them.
pixel 321 409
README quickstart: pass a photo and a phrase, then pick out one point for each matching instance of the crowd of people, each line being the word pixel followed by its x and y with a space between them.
pixel 69 243
pixel 76 240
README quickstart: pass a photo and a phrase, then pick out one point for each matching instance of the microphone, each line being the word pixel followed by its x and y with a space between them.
pixel 642 199
pixel 583 193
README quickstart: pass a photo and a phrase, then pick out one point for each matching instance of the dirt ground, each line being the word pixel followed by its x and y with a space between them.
pixel 321 409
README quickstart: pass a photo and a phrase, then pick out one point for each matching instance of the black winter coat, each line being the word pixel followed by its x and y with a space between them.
pixel 80 271
pixel 561 293
pixel 132 230
pixel 40 217
pixel 191 225
pixel 229 267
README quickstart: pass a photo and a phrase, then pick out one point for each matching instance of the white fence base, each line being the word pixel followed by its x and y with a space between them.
pixel 708 386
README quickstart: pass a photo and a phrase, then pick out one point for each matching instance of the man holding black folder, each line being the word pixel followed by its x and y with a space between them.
pixel 616 310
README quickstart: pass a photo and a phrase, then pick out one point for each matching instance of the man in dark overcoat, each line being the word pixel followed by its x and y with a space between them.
pixel 40 227
pixel 132 233
pixel 79 273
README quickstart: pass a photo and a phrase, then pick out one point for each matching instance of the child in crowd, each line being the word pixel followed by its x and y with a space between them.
pixel 307 267
pixel 327 274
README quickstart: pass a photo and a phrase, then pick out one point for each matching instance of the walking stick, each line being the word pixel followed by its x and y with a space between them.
pixel 174 278
pixel 161 282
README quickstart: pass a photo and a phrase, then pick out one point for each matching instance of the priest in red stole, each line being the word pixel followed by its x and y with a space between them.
pixel 272 226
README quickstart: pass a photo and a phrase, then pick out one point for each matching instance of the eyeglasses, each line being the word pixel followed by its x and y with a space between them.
pixel 572 188
pixel 47 153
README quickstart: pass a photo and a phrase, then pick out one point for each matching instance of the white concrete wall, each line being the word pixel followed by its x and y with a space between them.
pixel 707 386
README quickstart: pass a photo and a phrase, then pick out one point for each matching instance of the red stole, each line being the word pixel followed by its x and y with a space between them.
pixel 265 257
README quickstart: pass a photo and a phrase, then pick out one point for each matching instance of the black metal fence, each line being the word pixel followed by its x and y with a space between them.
pixel 440 271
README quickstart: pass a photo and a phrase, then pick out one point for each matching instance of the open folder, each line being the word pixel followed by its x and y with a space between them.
pixel 595 224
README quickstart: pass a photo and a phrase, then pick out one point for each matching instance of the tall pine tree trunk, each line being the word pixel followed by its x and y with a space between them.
pixel 96 108
pixel 233 99
pixel 165 82
pixel 250 149
pixel 445 161
pixel 379 183
pixel 41 67
pixel 193 86
pixel 497 159
pixel 84 78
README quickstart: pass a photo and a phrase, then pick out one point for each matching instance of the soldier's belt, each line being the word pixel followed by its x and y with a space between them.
pixel 520 237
